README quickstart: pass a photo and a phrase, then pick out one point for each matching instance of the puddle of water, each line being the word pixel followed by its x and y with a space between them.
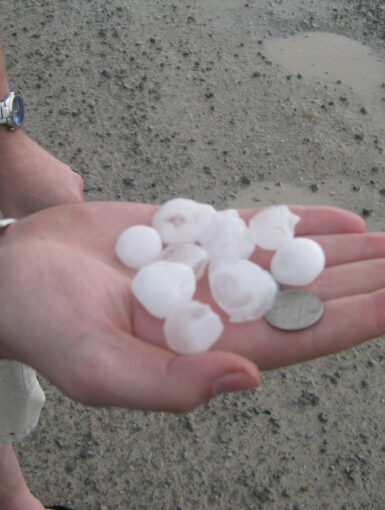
pixel 332 57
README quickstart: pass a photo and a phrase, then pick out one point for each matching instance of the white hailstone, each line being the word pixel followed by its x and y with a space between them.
pixel 182 220
pixel 162 285
pixel 227 237
pixel 242 289
pixel 139 245
pixel 229 212
pixel 192 328
pixel 191 254
pixel 273 226
pixel 298 262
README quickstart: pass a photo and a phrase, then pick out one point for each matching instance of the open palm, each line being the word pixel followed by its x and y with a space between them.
pixel 67 309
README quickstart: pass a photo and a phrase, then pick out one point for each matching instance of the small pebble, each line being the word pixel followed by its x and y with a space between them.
pixel 189 423
pixel 157 462
pixel 275 421
pixel 314 188
pixel 309 397
pixel 70 467
pixel 323 417
pixel 107 73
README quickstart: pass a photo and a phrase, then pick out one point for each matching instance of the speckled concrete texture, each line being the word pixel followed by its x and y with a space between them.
pixel 148 100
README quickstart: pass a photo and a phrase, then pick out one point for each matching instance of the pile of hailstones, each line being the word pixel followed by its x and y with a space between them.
pixel 185 238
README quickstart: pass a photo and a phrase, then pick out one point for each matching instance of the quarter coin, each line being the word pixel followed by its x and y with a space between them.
pixel 295 309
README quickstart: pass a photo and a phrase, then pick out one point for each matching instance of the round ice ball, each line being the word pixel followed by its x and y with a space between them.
pixel 227 237
pixel 181 220
pixel 242 289
pixel 273 226
pixel 139 245
pixel 192 327
pixel 162 285
pixel 298 262
pixel 229 212
pixel 191 254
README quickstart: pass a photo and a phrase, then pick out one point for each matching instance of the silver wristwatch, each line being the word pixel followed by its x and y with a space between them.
pixel 12 111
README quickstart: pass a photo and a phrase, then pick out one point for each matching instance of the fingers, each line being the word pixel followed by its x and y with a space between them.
pixel 355 265
pixel 350 279
pixel 346 322
pixel 340 233
pixel 355 319
pixel 326 220
pixel 345 248
pixel 137 375
pixel 339 248
pixel 79 183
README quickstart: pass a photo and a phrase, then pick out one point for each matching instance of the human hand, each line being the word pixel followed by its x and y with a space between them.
pixel 31 179
pixel 67 309
pixel 352 288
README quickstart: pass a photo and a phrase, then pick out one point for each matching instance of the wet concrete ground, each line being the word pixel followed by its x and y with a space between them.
pixel 149 100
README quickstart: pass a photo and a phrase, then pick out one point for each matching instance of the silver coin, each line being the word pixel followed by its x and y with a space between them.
pixel 295 309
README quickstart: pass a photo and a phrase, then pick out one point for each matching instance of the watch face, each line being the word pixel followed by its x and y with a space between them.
pixel 18 111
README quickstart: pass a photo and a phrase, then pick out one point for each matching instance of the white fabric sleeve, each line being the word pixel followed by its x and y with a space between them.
pixel 21 400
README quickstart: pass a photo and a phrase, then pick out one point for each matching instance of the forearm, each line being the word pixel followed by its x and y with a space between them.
pixel 4 86
pixel 3 265
pixel 5 133
pixel 30 178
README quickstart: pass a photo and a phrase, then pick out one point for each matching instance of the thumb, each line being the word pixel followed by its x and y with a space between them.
pixel 139 375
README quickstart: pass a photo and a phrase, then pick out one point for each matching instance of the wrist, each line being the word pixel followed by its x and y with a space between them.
pixel 11 111
pixel 7 136
pixel 9 139
pixel 4 87
pixel 4 91
pixel 3 264
pixel 6 256
pixel 11 143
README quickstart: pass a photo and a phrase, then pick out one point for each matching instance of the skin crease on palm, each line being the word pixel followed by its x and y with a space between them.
pixel 68 252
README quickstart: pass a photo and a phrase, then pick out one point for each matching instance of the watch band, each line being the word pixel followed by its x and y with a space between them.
pixel 12 111
pixel 4 110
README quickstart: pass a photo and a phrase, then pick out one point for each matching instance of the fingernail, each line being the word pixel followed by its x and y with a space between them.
pixel 236 381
